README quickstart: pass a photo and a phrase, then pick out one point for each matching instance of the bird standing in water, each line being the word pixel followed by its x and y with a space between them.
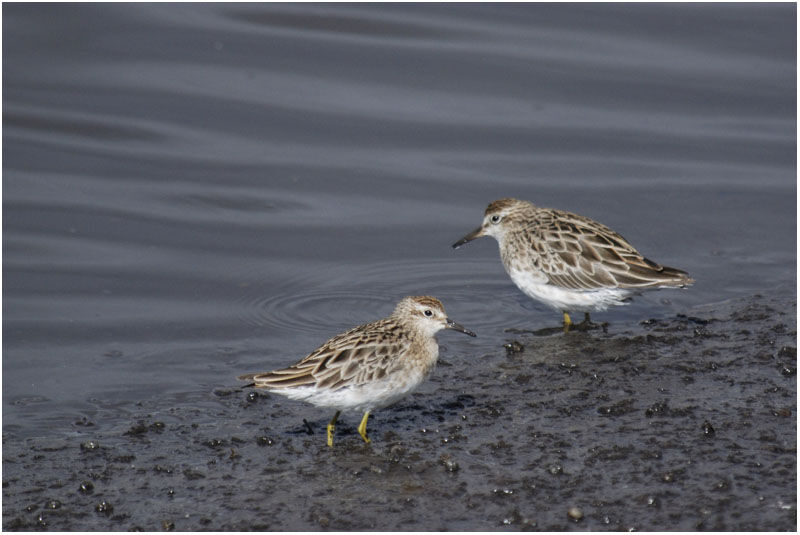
pixel 567 261
pixel 368 367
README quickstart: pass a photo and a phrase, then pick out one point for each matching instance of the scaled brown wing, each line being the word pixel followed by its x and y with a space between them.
pixel 349 359
pixel 582 254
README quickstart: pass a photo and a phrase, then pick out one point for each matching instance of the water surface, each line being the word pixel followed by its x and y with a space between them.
pixel 191 192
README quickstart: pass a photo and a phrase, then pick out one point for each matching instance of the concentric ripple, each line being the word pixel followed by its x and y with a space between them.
pixel 341 296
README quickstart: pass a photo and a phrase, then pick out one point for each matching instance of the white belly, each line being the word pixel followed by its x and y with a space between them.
pixel 535 286
pixel 366 397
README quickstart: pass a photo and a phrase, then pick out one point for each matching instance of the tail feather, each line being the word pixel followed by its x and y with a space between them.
pixel 679 276
pixel 277 379
pixel 669 276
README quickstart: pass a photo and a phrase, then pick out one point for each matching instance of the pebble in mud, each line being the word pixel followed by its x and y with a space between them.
pixel 104 507
pixel 525 523
pixel 90 445
pixel 449 463
pixel 708 429
pixel 451 466
pixel 575 513
pixel 86 487
pixel 556 469
pixel 396 452
pixel 138 429
pixel 722 484
pixel 264 441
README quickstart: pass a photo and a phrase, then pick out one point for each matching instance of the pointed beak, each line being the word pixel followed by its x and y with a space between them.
pixel 477 233
pixel 456 327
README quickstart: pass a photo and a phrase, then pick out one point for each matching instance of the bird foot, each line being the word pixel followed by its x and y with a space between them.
pixel 585 326
pixel 362 428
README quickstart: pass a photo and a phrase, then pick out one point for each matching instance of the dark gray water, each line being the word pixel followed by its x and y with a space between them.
pixel 191 192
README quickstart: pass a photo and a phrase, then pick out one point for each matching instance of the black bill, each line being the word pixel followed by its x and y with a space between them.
pixel 469 237
pixel 456 327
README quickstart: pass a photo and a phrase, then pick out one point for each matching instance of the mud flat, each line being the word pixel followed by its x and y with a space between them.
pixel 684 423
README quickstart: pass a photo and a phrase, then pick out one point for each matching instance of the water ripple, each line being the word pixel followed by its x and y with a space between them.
pixel 341 296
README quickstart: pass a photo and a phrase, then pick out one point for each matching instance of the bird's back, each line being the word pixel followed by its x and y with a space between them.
pixel 579 253
pixel 363 354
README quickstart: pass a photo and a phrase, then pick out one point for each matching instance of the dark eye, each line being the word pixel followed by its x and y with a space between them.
pixel 495 218
pixel 428 313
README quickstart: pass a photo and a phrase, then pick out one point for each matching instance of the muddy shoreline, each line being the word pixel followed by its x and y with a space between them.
pixel 684 423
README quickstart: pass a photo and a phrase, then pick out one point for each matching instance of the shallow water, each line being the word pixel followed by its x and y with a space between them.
pixel 191 192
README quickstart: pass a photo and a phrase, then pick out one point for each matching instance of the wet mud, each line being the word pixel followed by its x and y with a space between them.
pixel 682 423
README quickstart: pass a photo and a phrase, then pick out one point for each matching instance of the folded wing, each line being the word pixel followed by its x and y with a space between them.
pixel 581 254
pixel 356 357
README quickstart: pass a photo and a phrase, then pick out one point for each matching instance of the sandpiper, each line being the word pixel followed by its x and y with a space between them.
pixel 368 367
pixel 567 261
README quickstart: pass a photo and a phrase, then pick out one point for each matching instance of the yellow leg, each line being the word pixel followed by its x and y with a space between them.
pixel 362 427
pixel 331 428
pixel 567 322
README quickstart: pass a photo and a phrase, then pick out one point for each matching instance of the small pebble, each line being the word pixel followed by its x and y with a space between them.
pixel 708 429
pixel 575 513
pixel 104 507
pixel 87 487
pixel 89 445
pixel 450 465
pixel 158 427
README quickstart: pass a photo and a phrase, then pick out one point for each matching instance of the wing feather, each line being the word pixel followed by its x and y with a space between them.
pixel 579 253
pixel 351 358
